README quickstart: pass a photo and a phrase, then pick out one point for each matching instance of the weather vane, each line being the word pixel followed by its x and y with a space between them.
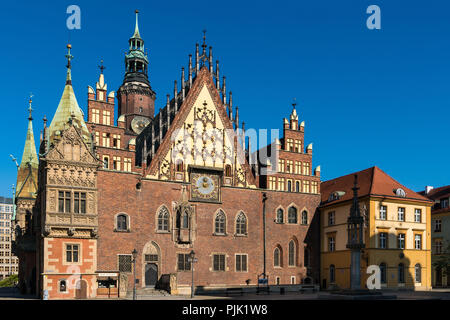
pixel 101 67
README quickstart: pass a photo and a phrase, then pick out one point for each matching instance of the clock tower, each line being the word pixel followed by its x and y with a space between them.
pixel 136 99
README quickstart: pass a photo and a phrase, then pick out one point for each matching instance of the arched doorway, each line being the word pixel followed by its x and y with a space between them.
pixel 81 289
pixel 151 264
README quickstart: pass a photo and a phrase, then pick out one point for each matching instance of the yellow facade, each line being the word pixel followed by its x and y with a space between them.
pixel 372 254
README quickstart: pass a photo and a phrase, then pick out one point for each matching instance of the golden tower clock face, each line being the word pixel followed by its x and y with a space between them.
pixel 205 187
pixel 139 123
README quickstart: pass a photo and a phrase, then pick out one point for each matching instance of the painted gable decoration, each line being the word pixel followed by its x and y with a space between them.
pixel 201 135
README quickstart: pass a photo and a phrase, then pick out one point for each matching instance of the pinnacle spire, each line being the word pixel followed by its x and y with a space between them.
pixel 136 28
pixel 29 155
pixel 69 65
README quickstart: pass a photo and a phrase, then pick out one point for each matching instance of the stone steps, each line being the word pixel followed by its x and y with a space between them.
pixel 147 292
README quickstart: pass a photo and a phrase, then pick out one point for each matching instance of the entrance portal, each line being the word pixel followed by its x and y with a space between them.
pixel 151 274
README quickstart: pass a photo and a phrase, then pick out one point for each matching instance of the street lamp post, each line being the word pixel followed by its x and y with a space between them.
pixel 134 253
pixel 192 259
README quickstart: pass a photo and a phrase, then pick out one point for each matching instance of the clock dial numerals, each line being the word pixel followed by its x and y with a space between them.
pixel 205 187
pixel 139 123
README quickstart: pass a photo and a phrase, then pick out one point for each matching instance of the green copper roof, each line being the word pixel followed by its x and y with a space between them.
pixel 68 110
pixel 27 173
pixel 29 151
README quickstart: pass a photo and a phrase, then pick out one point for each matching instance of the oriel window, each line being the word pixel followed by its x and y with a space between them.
pixel 64 199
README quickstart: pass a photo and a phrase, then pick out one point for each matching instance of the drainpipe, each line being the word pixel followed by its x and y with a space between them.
pixel 264 198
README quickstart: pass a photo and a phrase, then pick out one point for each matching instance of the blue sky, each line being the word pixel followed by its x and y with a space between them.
pixel 368 97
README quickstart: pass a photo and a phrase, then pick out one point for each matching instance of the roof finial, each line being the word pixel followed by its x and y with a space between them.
pixel 136 28
pixel 30 109
pixel 204 37
pixel 101 67
pixel 294 102
pixel 69 66
pixel 69 56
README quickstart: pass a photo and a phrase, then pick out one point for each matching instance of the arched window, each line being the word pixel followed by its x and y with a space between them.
pixel 292 215
pixel 304 217
pixel 297 186
pixel 332 273
pixel 179 166
pixel 241 224
pixel 292 253
pixel 289 186
pixel 401 273
pixel 280 216
pixel 383 272
pixel 227 170
pixel 220 223
pixel 418 273
pixel 276 257
pixel 185 220
pixel 121 222
pixel 163 219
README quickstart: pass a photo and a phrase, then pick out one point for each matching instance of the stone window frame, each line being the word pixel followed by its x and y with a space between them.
pixel 295 258
pixel 293 279
pixel 292 205
pixel 225 261
pixel 420 234
pixel 385 212
pixel 218 211
pixel 283 215
pixel 289 182
pixel 280 256
pixel 404 214
pixel 184 262
pixel 420 215
pixel 116 229
pixel 105 157
pixel 169 225
pixel 235 262
pixel 398 239
pixel 59 287
pixel 245 234
pixel 64 253
pixel 307 217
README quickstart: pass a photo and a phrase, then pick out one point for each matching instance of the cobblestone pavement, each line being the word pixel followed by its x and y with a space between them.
pixel 436 294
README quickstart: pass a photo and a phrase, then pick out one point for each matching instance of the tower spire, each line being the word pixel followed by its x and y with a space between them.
pixel 69 65
pixel 136 28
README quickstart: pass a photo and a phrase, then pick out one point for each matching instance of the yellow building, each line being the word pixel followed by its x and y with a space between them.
pixel 397 235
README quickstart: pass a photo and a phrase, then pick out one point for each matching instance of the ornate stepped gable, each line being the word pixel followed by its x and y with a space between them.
pixel 196 112
pixel 201 114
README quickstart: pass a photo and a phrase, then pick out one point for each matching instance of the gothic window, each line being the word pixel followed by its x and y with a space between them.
pixel 281 184
pixel 314 187
pixel 163 219
pixel 241 224
pixel 127 164
pixel 292 253
pixel 418 273
pixel 280 216
pixel 298 146
pixel 304 217
pixel 79 202
pixel 277 257
pixel 122 222
pixel 95 115
pixel 292 215
pixel 116 163
pixel 306 186
pixel 185 220
pixel 289 185
pixel 401 273
pixel 297 186
pixel 220 223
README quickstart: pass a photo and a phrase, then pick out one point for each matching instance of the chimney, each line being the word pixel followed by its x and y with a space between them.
pixel 428 189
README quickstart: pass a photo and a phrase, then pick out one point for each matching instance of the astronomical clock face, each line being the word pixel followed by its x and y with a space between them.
pixel 139 123
pixel 205 187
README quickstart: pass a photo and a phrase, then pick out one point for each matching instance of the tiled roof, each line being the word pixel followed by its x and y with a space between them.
pixel 371 181
pixel 437 193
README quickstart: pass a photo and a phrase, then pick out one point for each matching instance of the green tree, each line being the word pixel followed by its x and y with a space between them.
pixel 11 281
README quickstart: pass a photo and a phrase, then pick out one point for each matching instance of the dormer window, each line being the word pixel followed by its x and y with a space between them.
pixel 336 195
pixel 399 192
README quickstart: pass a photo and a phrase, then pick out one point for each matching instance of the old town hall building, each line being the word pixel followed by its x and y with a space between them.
pixel 147 187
